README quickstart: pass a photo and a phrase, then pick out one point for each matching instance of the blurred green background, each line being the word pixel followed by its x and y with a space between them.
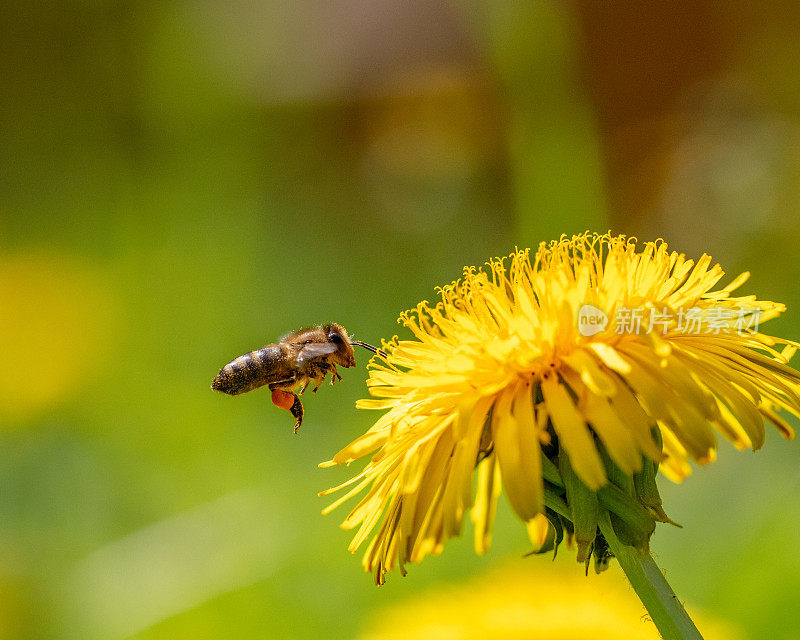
pixel 182 182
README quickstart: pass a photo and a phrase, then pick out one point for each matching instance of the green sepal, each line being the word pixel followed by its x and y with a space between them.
pixel 646 487
pixel 583 506
pixel 632 520
pixel 555 534
pixel 633 523
pixel 550 472
pixel 647 491
pixel 615 475
pixel 553 500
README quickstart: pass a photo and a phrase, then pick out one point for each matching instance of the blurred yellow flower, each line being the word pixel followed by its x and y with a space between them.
pixel 56 321
pixel 566 379
pixel 545 601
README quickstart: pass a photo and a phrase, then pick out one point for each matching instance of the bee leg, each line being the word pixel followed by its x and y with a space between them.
pixel 297 411
pixel 326 369
pixel 321 370
pixel 288 400
pixel 303 388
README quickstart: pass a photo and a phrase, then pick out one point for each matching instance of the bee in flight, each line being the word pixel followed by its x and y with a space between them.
pixel 300 358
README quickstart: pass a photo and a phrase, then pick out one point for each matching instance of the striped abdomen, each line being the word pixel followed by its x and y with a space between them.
pixel 250 371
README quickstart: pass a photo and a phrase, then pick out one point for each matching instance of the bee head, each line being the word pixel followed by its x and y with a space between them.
pixel 336 334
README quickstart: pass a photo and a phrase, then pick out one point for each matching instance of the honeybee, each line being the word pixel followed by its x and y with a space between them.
pixel 300 358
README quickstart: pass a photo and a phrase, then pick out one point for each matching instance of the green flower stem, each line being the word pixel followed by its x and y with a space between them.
pixel 666 611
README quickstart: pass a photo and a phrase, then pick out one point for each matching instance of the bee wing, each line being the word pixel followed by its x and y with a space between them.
pixel 315 350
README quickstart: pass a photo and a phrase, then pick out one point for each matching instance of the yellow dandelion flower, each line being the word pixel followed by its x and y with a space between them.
pixel 566 380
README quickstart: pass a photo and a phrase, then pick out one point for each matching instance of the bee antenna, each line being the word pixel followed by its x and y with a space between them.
pixel 369 347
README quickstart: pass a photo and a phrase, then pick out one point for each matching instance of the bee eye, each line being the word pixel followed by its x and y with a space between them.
pixel 334 337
